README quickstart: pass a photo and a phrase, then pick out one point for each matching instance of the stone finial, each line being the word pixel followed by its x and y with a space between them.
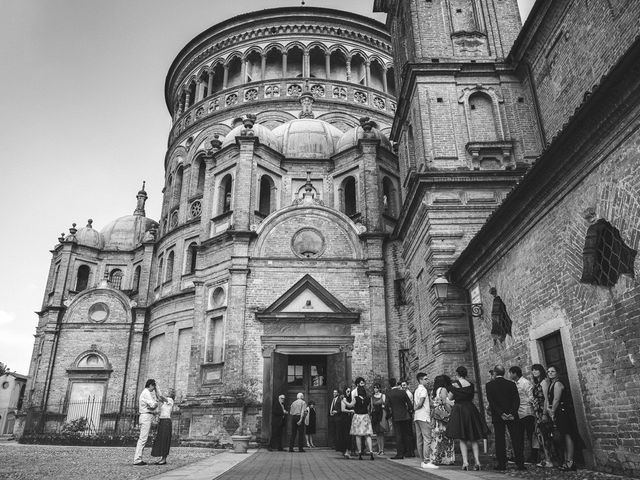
pixel 73 230
pixel 216 144
pixel 90 223
pixel 236 121
pixel 306 100
pixel 61 237
pixel 141 198
pixel 248 122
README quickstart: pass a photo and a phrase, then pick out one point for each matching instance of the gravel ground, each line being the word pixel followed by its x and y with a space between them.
pixel 21 462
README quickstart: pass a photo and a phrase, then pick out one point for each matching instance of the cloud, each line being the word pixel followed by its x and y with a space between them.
pixel 6 317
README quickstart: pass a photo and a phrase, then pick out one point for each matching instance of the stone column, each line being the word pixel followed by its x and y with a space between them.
pixel 263 66
pixel 210 84
pixel 327 65
pixel 348 69
pixel 385 87
pixel 207 198
pixel 199 91
pixel 244 71
pixel 370 188
pixel 367 73
pixel 284 64
pixel 225 78
pixel 187 99
pixel 243 183
pixel 306 65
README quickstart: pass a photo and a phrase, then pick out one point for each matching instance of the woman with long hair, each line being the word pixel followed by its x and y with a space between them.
pixel 361 422
pixel 561 412
pixel 442 447
pixel 465 423
pixel 379 416
pixel 544 426
pixel 343 439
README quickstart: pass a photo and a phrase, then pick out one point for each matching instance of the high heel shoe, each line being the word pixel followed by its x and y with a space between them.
pixel 465 467
pixel 371 455
pixel 477 467
pixel 360 456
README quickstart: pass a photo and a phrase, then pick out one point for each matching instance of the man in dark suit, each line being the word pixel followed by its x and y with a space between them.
pixel 278 424
pixel 504 402
pixel 334 411
pixel 399 409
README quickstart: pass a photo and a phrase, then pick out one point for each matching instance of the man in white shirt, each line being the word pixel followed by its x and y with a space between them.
pixel 147 405
pixel 422 421
pixel 297 411
pixel 526 418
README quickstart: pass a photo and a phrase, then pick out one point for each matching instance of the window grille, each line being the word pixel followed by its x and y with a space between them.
pixel 605 255
pixel 405 367
pixel 115 278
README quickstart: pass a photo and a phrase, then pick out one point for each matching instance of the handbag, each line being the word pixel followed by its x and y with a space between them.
pixel 441 413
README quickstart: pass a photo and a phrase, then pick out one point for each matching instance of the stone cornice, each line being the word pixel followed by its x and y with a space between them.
pixel 611 113
pixel 446 179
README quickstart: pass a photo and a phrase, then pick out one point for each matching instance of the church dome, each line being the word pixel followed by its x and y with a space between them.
pixel 308 138
pixel 89 237
pixel 265 136
pixel 351 137
pixel 126 233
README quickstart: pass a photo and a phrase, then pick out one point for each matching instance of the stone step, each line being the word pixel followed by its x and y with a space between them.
pixel 7 437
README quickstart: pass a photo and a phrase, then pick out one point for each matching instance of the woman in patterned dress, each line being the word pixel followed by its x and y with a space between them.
pixel 544 425
pixel 442 447
pixel 361 421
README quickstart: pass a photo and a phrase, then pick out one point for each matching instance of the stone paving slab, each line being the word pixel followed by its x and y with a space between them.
pixel 208 469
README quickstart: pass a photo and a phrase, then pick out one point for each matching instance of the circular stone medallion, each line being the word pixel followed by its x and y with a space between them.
pixel 98 312
pixel 308 243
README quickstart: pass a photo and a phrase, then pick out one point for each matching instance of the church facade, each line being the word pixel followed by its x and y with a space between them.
pixel 322 171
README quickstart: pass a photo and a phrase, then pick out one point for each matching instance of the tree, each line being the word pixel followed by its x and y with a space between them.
pixel 4 368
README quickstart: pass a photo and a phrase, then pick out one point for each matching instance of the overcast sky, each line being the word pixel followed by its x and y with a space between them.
pixel 83 123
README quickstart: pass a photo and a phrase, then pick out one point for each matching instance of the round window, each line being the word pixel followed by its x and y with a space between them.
pixel 217 297
pixel 98 312
pixel 5 385
pixel 308 243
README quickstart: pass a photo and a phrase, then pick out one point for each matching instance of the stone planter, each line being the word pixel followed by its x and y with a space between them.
pixel 240 443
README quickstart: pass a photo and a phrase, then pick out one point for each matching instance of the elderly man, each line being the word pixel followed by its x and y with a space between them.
pixel 297 411
pixel 278 424
pixel 147 405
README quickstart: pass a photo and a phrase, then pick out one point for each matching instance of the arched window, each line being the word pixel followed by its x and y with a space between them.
pixel 204 85
pixel 377 73
pixel 273 68
pixel 294 62
pixel 168 192
pixel 225 194
pixel 349 204
pixel 177 189
pixel 481 115
pixel 136 278
pixel 391 82
pixel 254 67
pixel 338 65
pixel 317 63
pixel 202 171
pixel 169 273
pixel 218 78
pixel 115 278
pixel 605 256
pixel 235 72
pixel 358 69
pixel 159 276
pixel 267 197
pixel 192 255
pixel 192 92
pixel 388 197
pixel 82 278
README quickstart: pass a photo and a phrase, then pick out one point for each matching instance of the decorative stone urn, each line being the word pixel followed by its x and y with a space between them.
pixel 240 443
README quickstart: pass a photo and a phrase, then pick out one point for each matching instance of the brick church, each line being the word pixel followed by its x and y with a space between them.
pixel 325 173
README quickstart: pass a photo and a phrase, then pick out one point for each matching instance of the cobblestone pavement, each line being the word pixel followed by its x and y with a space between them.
pixel 26 462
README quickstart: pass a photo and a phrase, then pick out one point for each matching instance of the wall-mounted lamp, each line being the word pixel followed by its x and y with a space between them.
pixel 441 287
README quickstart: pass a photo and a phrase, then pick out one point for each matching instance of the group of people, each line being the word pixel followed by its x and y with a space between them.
pixel 428 421
pixel 152 406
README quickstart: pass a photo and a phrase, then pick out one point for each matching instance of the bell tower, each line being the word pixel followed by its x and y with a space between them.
pixel 466 130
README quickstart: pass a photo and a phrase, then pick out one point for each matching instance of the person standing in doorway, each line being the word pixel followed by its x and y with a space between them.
pixel 278 423
pixel 297 412
pixel 310 423
pixel 526 418
pixel 334 409
pixel 147 404
pixel 399 411
pixel 422 421
pixel 504 402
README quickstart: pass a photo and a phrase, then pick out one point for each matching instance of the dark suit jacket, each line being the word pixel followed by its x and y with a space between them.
pixel 398 405
pixel 503 398
pixel 277 413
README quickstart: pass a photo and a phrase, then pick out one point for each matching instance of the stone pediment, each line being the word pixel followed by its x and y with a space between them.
pixel 308 300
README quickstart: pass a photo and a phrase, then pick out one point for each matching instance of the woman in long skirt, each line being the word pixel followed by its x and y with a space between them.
pixel 162 443
pixel 343 440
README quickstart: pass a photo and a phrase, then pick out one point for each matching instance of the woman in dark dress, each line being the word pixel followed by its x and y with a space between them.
pixel 465 423
pixel 162 442
pixel 563 416
pixel 310 423
pixel 343 438
pixel 544 427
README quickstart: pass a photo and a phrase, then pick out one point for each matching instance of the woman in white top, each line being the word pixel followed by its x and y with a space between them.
pixel 162 442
